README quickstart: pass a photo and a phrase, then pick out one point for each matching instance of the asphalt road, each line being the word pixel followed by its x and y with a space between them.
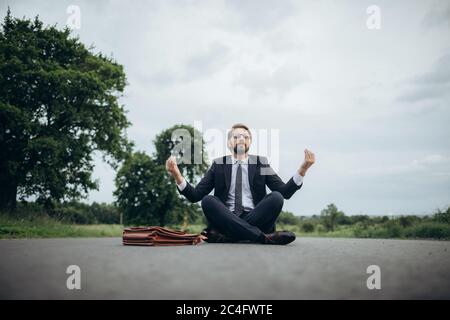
pixel 309 268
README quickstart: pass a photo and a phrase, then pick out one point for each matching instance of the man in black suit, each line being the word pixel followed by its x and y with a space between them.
pixel 240 208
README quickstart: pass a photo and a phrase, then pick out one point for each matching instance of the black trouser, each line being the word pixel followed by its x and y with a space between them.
pixel 250 225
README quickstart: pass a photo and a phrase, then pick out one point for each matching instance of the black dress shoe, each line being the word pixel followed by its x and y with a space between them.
pixel 279 237
pixel 215 236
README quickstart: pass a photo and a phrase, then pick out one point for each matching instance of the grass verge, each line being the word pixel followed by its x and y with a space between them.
pixel 45 227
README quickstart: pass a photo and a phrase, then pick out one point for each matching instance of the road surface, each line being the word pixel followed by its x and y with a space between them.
pixel 309 268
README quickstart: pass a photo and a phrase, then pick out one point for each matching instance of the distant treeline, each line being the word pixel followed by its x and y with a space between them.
pixel 331 221
pixel 69 212
pixel 75 212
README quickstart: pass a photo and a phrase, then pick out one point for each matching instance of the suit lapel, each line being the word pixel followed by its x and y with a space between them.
pixel 227 172
pixel 251 169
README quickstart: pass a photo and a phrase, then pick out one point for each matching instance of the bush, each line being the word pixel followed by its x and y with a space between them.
pixel 69 212
pixel 185 212
pixel 288 218
pixel 363 219
pixel 320 228
pixel 442 216
pixel 407 221
pixel 343 220
pixel 307 227
pixel 105 213
pixel 74 214
pixel 360 225
pixel 387 230
pixel 28 210
pixel 393 231
pixel 429 230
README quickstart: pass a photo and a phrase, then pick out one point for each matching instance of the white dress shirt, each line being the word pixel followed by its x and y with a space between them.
pixel 247 199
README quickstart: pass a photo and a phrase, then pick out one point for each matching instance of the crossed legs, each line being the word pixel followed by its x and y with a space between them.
pixel 250 225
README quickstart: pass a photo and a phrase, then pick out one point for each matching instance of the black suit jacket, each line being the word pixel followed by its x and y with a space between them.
pixel 218 177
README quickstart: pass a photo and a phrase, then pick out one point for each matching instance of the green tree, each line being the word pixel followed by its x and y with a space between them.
pixel 185 212
pixel 144 191
pixel 183 142
pixel 105 213
pixel 330 215
pixel 58 104
pixel 384 219
pixel 170 142
pixel 287 217
pixel 147 193
pixel 362 219
pixel 442 216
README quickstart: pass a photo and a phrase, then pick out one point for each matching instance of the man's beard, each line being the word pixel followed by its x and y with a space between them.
pixel 240 149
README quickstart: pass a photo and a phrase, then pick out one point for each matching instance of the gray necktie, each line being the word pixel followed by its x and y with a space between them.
pixel 238 191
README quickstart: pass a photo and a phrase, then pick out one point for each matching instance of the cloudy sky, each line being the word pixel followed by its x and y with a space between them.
pixel 372 103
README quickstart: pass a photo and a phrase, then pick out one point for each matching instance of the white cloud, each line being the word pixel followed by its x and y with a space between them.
pixel 431 160
pixel 437 15
pixel 280 80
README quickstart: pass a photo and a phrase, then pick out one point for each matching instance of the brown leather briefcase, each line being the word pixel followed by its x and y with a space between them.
pixel 159 236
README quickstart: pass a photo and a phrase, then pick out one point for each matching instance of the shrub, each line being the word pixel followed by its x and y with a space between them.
pixel 360 218
pixel 430 230
pixel 384 219
pixel 394 231
pixel 307 227
pixel 289 218
pixel 407 221
pixel 68 212
pixel 77 213
pixel 105 213
pixel 442 216
pixel 330 216
pixel 320 228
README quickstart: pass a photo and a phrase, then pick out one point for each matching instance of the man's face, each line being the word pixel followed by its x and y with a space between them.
pixel 239 141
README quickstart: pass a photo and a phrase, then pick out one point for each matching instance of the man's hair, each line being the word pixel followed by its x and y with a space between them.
pixel 237 126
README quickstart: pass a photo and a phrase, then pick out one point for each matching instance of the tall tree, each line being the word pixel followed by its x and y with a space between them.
pixel 58 104
pixel 330 215
pixel 184 142
pixel 143 191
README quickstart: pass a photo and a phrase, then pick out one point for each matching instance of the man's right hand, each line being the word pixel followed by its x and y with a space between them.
pixel 172 168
